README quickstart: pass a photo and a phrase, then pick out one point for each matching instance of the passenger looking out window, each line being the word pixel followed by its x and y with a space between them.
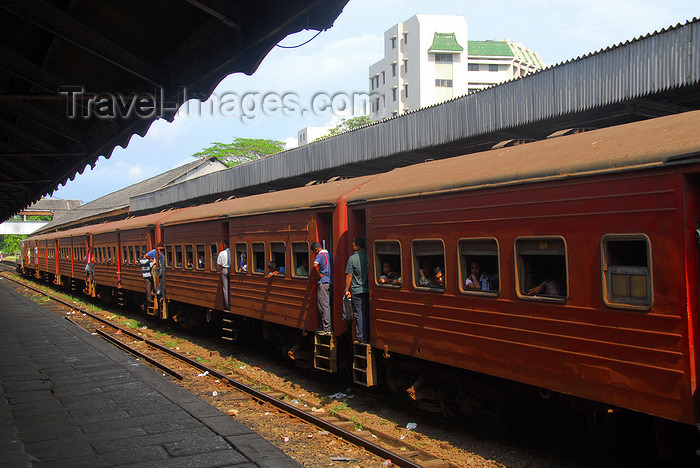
pixel 277 255
pixel 479 265
pixel 429 259
pixel 258 258
pixel 241 258
pixel 300 259
pixel 541 267
pixel 387 259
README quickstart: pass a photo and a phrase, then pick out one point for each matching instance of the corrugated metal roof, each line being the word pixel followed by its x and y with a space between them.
pixel 654 75
pixel 639 144
pixel 118 52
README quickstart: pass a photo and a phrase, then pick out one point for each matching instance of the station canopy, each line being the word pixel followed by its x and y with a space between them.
pixel 81 77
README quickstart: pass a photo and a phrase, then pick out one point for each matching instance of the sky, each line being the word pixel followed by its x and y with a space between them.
pixel 333 67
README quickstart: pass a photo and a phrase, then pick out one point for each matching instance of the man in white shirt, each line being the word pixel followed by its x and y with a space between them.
pixel 224 261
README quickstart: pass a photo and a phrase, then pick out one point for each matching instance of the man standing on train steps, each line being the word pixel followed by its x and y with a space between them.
pixel 357 288
pixel 322 267
pixel 224 261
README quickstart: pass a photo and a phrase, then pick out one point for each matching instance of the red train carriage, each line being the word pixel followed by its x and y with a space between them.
pixel 73 246
pixel 604 221
pixel 274 227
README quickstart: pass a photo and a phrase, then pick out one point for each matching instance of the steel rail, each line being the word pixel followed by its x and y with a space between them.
pixel 255 393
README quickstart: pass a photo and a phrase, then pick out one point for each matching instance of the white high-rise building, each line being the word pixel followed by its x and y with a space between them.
pixel 428 59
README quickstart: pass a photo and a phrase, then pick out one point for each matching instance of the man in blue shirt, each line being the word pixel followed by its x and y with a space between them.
pixel 322 267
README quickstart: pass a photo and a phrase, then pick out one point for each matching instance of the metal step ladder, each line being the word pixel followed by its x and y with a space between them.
pixel 229 328
pixel 364 366
pixel 326 353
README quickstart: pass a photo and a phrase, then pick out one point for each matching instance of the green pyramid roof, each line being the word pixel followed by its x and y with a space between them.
pixel 445 42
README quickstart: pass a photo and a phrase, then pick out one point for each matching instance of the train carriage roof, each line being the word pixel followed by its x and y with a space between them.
pixel 636 145
pixel 314 196
pixel 138 222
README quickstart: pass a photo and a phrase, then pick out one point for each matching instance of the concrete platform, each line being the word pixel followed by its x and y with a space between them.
pixel 68 398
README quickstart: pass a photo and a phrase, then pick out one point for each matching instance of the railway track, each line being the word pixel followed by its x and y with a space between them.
pixel 181 367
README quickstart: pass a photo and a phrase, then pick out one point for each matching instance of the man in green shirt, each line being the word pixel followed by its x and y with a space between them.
pixel 357 288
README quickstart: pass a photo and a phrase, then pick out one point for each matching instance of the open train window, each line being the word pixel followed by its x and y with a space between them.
pixel 258 258
pixel 387 261
pixel 169 256
pixel 300 259
pixel 125 254
pixel 429 264
pixel 277 255
pixel 241 261
pixel 201 262
pixel 131 254
pixel 189 257
pixel 478 266
pixel 541 268
pixel 178 256
pixel 626 268
pixel 213 256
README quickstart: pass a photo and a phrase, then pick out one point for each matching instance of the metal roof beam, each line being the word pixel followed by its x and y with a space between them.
pixel 221 10
pixel 64 26
pixel 17 154
pixel 24 137
pixel 47 119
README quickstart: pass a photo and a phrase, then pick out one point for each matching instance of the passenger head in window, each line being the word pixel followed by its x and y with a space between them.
pixel 425 273
pixel 389 276
pixel 480 281
pixel 547 287
pixel 438 280
pixel 274 270
pixel 303 269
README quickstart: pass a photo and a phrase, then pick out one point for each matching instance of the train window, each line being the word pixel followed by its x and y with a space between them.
pixel 258 258
pixel 131 254
pixel 125 254
pixel 300 259
pixel 387 261
pixel 626 271
pixel 178 256
pixel 110 251
pixel 213 256
pixel 541 268
pixel 478 265
pixel 169 256
pixel 200 257
pixel 241 263
pixel 277 255
pixel 428 264
pixel 189 257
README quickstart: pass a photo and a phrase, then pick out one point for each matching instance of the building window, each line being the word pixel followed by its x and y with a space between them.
pixel 447 58
pixel 405 66
pixel 443 83
pixel 383 77
pixel 387 259
pixel 405 91
pixel 393 42
pixel 393 94
pixel 493 68
pixel 473 67
pixel 626 269
pixel 405 38
pixel 478 265
pixel 393 69
pixel 428 264
pixel 541 268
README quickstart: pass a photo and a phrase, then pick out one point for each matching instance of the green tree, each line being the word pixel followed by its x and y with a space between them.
pixel 241 150
pixel 346 125
pixel 9 243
